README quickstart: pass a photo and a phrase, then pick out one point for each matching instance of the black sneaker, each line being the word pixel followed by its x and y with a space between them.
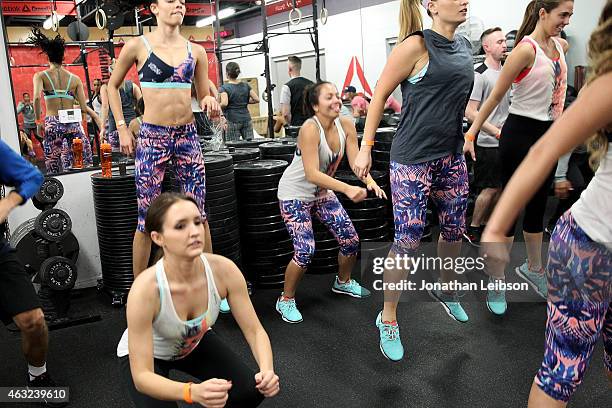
pixel 45 381
pixel 472 235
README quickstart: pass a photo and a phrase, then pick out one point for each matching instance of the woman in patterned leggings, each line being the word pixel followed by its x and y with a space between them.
pixel 579 271
pixel 307 186
pixel 167 65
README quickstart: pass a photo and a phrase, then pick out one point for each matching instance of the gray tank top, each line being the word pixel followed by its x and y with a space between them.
pixel 293 184
pixel 431 125
pixel 126 94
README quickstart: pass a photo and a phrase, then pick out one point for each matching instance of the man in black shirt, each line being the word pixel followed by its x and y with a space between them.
pixel 292 93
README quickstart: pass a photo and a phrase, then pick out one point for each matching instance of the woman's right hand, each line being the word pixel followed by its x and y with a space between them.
pixel 468 147
pixel 362 164
pixel 126 141
pixel 212 393
pixel 356 194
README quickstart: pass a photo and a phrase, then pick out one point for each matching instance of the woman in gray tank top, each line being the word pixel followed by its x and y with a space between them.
pixel 171 309
pixel 307 186
pixel 435 70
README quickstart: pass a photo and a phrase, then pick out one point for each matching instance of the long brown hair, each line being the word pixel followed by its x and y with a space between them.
pixel 600 55
pixel 532 16
pixel 410 18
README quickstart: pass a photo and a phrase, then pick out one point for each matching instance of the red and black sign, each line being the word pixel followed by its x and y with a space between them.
pixel 285 6
pixel 37 8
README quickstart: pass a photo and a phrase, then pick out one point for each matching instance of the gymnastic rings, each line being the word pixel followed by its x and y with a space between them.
pixel 100 19
pixel 324 14
pixel 293 20
pixel 54 21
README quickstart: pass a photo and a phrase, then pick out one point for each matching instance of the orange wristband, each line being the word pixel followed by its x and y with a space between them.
pixel 187 393
pixel 469 137
pixel 367 142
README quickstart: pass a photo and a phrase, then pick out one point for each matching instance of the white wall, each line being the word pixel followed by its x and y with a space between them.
pixel 364 33
pixel 78 197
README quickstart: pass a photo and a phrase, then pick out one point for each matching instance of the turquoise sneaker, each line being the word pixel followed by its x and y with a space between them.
pixel 496 301
pixel 350 288
pixel 390 343
pixel 224 307
pixel 537 280
pixel 451 305
pixel 288 310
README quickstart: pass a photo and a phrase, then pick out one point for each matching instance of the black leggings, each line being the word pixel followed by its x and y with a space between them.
pixel 210 359
pixel 579 173
pixel 518 135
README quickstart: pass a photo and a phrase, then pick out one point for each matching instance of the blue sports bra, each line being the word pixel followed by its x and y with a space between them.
pixel 155 73
pixel 59 94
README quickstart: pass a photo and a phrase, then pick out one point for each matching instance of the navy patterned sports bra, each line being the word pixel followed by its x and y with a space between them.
pixel 155 73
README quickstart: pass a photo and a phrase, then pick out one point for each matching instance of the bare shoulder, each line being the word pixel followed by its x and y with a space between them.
pixel 564 44
pixel 197 48
pixel 144 285
pixel 224 271
pixel 415 44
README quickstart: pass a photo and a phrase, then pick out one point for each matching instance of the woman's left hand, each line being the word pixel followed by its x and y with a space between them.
pixel 267 383
pixel 211 106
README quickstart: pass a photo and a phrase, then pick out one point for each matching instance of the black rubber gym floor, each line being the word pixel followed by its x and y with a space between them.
pixel 332 359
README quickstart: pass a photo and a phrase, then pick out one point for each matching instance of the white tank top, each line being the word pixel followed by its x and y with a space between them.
pixel 593 211
pixel 539 93
pixel 293 184
pixel 174 338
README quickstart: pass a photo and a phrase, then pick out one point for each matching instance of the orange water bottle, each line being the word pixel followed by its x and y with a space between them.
pixel 106 160
pixel 77 153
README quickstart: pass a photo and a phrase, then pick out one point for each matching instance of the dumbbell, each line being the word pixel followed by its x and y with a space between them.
pixel 49 194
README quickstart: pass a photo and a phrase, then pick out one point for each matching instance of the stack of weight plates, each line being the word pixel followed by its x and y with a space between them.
pixel 170 183
pixel 278 150
pixel 267 247
pixel 292 131
pixel 344 163
pixel 221 206
pixel 325 259
pixel 240 154
pixel 370 215
pixel 116 219
pixel 382 148
pixel 248 143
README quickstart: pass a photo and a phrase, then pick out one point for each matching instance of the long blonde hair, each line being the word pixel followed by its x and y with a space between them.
pixel 410 18
pixel 600 56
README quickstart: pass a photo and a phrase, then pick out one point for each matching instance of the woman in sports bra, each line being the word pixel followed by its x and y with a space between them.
pixel 62 122
pixel 307 186
pixel 167 65
pixel 171 309
pixel 537 71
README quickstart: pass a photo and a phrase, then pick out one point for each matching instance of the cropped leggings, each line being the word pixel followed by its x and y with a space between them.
pixel 579 275
pixel 298 219
pixel 518 135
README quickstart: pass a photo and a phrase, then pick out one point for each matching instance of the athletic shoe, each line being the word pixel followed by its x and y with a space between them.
pixel 496 301
pixel 472 235
pixel 45 381
pixel 224 307
pixel 451 305
pixel 288 310
pixel 390 342
pixel 350 288
pixel 537 280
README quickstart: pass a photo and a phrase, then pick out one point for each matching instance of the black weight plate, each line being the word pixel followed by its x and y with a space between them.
pixel 273 226
pixel 350 178
pixel 50 191
pixel 221 207
pixel 29 253
pixel 268 249
pixel 267 236
pixel 222 171
pixel 381 166
pixel 322 270
pixel 369 213
pixel 382 238
pixel 114 207
pixel 279 261
pixel 242 143
pixel 272 219
pixel 383 146
pixel 325 253
pixel 259 168
pixel 39 205
pixel 228 194
pixel 114 190
pixel 285 157
pixel 233 246
pixel 227 242
pixel 219 186
pixel 244 154
pixel 259 210
pixel 373 232
pixel 277 148
pixel 224 178
pixel 115 251
pixel 59 273
pixel 381 156
pixel 213 161
pixel 368 223
pixel 268 252
pixel 225 235
pixel 255 182
pixel 370 202
pixel 216 216
pixel 264 195
pixel 116 225
pixel 385 134
pixel 116 230
pixel 53 224
pixel 219 201
pixel 219 223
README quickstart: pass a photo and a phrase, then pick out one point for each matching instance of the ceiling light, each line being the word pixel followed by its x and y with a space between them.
pixel 225 13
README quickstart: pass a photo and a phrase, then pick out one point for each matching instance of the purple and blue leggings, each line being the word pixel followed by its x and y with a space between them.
pixel 446 181
pixel 156 146
pixel 57 145
pixel 298 219
pixel 579 277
